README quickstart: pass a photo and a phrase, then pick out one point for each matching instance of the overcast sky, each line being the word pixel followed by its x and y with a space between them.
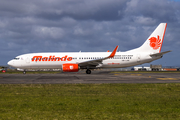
pixel 28 26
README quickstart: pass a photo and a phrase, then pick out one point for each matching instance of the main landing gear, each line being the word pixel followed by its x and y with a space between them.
pixel 88 71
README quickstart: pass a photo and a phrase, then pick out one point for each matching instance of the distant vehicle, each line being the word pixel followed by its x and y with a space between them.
pixel 73 61
pixel 3 69
pixel 142 69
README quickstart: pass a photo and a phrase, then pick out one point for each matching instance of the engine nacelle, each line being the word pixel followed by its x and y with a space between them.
pixel 70 67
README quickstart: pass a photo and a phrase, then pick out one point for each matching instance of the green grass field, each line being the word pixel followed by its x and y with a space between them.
pixel 89 101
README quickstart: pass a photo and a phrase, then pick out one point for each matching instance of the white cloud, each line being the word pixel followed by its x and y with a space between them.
pixel 94 25
pixel 50 32
pixel 144 20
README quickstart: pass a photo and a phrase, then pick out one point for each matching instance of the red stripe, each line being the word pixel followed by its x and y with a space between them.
pixel 163 38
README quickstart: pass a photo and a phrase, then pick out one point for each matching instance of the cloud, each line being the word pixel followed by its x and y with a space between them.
pixel 84 10
pixel 48 32
pixel 95 25
pixel 161 11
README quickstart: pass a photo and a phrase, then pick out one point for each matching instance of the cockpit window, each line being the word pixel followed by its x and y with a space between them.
pixel 16 58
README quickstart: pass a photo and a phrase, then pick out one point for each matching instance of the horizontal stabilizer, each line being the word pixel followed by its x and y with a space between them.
pixel 159 54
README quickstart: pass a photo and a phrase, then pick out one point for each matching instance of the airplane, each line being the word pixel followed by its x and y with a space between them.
pixel 74 61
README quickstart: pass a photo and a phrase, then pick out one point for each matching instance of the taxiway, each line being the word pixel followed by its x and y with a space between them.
pixel 96 77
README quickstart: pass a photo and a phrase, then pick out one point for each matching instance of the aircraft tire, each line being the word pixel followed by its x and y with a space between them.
pixel 88 71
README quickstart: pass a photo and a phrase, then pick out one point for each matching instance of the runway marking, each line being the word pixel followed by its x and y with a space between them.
pixel 136 74
pixel 116 74
pixel 168 78
pixel 130 74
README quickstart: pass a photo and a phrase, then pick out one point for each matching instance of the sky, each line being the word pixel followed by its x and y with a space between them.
pixel 86 25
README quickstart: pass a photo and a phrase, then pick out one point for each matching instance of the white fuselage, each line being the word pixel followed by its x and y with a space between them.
pixel 56 60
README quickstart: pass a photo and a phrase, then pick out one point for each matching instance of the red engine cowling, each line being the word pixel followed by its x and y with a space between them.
pixel 70 67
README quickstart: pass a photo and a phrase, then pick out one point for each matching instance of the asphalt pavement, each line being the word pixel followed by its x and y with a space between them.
pixel 95 77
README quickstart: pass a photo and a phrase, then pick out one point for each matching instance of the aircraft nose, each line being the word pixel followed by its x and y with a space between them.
pixel 10 63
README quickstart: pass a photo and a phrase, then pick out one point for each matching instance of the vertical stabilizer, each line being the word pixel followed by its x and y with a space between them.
pixel 154 42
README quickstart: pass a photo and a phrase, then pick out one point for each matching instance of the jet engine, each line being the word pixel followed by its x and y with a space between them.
pixel 70 67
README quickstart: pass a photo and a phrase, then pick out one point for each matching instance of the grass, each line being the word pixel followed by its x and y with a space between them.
pixel 90 101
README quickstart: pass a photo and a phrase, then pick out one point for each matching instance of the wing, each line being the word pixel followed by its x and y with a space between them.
pixel 97 61
pixel 159 54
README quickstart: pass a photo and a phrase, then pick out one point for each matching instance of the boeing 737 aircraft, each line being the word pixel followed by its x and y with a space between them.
pixel 74 61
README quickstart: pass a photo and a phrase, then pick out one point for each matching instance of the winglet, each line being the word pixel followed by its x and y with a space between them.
pixel 114 52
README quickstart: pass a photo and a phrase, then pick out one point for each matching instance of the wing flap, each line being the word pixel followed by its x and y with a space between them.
pixel 91 62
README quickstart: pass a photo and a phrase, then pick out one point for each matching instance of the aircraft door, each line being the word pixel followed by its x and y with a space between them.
pixel 138 57
pixel 27 59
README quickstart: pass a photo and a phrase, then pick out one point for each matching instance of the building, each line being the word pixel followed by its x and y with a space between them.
pixel 156 67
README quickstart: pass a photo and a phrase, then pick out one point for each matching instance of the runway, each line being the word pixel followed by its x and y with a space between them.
pixel 95 77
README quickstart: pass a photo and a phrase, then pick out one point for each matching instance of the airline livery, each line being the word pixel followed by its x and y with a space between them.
pixel 74 61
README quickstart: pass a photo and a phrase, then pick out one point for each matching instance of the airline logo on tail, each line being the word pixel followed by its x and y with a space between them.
pixel 155 43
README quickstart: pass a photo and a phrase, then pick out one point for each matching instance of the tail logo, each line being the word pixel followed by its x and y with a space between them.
pixel 155 43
